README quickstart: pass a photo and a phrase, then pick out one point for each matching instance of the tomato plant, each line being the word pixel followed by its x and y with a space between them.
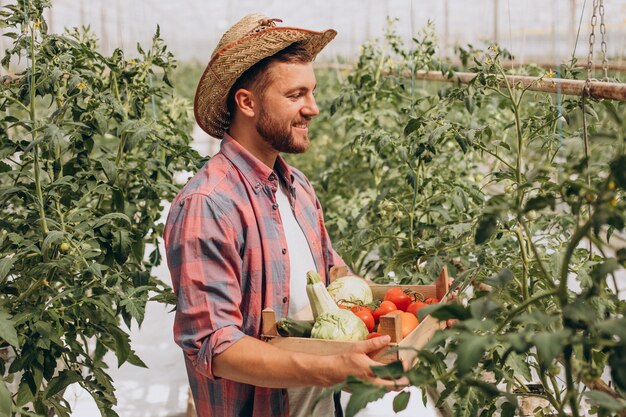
pixel 89 145
pixel 521 194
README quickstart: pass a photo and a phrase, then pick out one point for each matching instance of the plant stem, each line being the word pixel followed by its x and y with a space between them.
pixel 579 234
pixel 556 402
pixel 569 381
pixel 33 118
pixel 525 304
pixel 521 241
pixel 413 205
pixel 533 247
pixel 518 130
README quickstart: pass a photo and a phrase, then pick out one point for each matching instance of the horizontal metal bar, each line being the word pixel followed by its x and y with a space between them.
pixel 597 89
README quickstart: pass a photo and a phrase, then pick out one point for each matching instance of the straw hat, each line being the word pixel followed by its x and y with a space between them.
pixel 247 42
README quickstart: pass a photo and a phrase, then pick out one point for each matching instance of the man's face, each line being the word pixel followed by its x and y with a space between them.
pixel 287 106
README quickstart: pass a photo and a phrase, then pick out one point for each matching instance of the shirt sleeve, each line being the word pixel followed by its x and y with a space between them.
pixel 203 257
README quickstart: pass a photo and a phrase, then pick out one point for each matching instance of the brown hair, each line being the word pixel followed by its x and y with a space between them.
pixel 256 77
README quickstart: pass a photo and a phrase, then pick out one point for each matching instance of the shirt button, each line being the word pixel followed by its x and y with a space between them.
pixel 182 203
pixel 272 177
pixel 275 206
pixel 284 251
pixel 285 299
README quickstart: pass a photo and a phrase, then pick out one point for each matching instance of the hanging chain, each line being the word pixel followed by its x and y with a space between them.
pixel 605 62
pixel 592 39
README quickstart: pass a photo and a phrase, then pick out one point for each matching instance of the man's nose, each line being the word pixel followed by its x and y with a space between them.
pixel 310 108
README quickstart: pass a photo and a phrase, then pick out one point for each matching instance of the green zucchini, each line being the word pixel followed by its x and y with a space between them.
pixel 294 328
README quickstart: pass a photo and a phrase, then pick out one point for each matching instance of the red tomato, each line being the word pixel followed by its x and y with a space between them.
pixel 415 306
pixel 409 322
pixel 364 314
pixel 373 335
pixel 431 300
pixel 398 297
pixel 384 308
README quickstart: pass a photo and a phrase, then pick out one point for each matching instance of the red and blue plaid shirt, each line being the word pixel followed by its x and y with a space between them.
pixel 227 255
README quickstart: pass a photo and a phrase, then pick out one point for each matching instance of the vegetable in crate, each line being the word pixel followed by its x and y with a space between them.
pixel 331 322
pixel 350 290
pixel 287 327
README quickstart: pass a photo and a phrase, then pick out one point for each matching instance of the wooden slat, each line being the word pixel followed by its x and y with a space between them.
pixel 268 322
pixel 328 347
pixel 390 324
pixel 418 338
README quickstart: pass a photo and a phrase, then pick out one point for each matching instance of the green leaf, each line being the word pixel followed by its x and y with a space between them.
pixel 519 366
pixel 471 350
pixel 134 306
pixel 412 126
pixel 600 272
pixel 612 111
pixel 107 218
pixel 484 307
pixel 5 400
pixel 121 245
pixel 109 168
pixel 401 401
pixel 5 267
pixel 53 238
pixel 617 362
pixel 540 202
pixel 613 327
pixel 487 226
pixel 392 370
pixel 445 312
pixel 549 345
pixel 7 329
pixel 604 400
pixel 61 381
pixel 25 393
pixel 501 279
pixel 508 410
pixel 362 394
pixel 122 345
pixel 618 171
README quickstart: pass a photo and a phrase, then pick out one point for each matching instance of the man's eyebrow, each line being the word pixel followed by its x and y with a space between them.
pixel 301 88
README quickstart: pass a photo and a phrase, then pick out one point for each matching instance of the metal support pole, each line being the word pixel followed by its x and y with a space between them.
pixel 495 21
pixel 446 27
pixel 597 90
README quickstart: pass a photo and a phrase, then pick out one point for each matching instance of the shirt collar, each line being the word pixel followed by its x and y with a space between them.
pixel 254 171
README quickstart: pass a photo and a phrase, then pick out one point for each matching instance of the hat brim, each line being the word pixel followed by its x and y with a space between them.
pixel 227 65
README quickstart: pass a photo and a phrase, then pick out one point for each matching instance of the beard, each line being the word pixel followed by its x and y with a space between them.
pixel 279 135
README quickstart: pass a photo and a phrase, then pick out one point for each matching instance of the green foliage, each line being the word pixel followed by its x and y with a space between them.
pixel 508 189
pixel 89 147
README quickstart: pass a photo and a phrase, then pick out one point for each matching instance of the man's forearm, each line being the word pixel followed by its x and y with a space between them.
pixel 254 362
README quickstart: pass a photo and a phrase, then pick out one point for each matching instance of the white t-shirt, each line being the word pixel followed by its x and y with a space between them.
pixel 300 262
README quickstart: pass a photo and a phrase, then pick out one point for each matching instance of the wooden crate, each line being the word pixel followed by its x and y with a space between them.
pixel 389 325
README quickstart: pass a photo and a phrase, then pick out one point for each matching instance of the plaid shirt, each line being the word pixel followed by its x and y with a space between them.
pixel 227 255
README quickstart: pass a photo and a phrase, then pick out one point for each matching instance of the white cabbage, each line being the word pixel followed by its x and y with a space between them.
pixel 350 290
pixel 339 325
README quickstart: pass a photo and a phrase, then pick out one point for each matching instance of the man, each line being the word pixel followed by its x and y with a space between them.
pixel 242 233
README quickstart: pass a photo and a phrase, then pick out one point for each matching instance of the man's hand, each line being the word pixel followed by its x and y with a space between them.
pixel 357 362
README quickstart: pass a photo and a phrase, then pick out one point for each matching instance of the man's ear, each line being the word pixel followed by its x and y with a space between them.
pixel 245 102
